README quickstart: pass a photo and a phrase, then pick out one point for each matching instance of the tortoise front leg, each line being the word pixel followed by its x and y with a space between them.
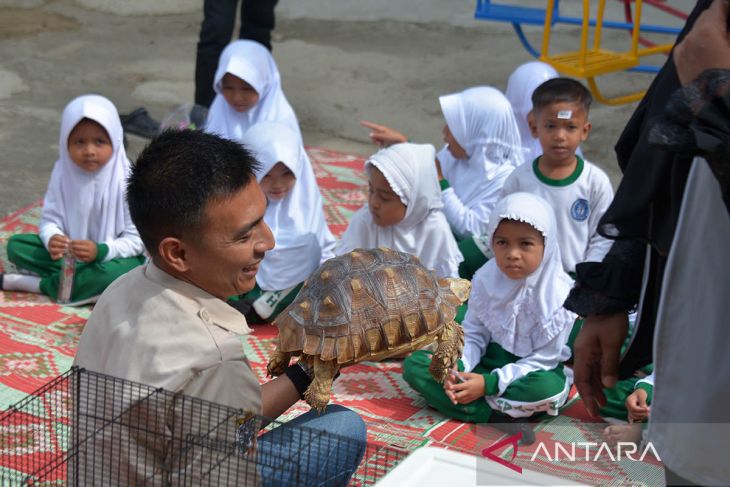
pixel 451 344
pixel 318 393
pixel 277 363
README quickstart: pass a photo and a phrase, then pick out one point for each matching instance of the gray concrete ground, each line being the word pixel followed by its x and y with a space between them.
pixel 341 61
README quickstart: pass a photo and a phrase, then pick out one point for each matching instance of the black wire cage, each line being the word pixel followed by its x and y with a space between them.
pixel 85 428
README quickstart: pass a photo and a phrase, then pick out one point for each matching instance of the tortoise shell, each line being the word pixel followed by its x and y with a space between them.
pixel 367 304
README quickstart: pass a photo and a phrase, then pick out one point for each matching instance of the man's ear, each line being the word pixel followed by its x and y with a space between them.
pixel 532 123
pixel 172 251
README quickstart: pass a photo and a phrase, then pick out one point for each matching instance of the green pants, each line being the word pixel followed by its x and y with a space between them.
pixel 616 396
pixel 461 312
pixel 275 300
pixel 474 256
pixel 28 252
pixel 538 391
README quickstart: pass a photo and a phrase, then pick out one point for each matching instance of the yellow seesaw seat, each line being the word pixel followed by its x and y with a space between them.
pixel 589 62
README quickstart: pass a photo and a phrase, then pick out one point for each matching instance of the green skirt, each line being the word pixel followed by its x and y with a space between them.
pixel 538 391
pixel 90 279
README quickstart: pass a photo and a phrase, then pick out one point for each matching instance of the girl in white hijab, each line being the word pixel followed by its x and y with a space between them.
pixel 404 210
pixel 248 87
pixel 482 148
pixel 520 85
pixel 295 216
pixel 516 329
pixel 84 211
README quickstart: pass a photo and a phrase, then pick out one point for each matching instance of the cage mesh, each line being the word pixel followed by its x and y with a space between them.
pixel 85 428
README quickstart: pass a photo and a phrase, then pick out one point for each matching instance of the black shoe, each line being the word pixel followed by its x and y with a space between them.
pixel 140 123
pixel 2 277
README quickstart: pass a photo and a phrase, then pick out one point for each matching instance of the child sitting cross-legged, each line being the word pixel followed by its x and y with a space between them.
pixel 404 210
pixel 84 211
pixel 482 148
pixel 248 91
pixel 294 214
pixel 515 329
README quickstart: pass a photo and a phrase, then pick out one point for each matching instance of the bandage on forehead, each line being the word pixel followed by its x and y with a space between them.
pixel 565 114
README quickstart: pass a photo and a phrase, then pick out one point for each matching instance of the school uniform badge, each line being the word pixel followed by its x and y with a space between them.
pixel 580 210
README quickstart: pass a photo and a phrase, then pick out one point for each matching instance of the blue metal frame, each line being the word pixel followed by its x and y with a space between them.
pixel 516 15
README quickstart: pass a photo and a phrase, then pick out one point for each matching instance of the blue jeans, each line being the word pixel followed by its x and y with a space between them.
pixel 313 449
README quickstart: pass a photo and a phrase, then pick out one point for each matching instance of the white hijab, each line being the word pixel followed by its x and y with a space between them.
pixel 482 122
pixel 88 205
pixel 303 239
pixel 523 315
pixel 522 82
pixel 424 231
pixel 254 64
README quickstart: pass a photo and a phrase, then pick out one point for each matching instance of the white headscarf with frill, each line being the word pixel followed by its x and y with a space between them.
pixel 297 221
pixel 523 315
pixel 482 122
pixel 424 231
pixel 254 64
pixel 88 205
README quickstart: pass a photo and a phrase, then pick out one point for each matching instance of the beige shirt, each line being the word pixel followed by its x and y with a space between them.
pixel 152 328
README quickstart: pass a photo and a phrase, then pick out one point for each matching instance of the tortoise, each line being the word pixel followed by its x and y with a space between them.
pixel 369 304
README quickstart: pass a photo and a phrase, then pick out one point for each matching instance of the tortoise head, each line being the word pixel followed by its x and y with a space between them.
pixel 459 287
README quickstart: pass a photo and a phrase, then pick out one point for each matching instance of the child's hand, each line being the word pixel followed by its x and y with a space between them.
pixel 84 250
pixel 58 245
pixel 471 389
pixel 637 407
pixel 382 135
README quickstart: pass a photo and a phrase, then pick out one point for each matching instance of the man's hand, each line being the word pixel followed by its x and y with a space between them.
pixel 637 407
pixel 706 45
pixel 383 135
pixel 84 250
pixel 58 246
pixel 597 351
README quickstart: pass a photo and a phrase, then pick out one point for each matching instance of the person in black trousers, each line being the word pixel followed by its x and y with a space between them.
pixel 216 31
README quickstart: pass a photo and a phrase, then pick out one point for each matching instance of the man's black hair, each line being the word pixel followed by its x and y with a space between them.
pixel 565 90
pixel 177 175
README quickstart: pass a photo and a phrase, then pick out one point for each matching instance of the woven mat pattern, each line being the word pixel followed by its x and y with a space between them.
pixel 38 339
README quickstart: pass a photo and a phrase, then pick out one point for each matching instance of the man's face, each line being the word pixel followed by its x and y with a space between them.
pixel 224 255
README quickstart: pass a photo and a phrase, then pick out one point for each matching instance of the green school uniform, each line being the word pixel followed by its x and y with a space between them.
pixel 90 279
pixel 266 305
pixel 538 391
pixel 476 253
